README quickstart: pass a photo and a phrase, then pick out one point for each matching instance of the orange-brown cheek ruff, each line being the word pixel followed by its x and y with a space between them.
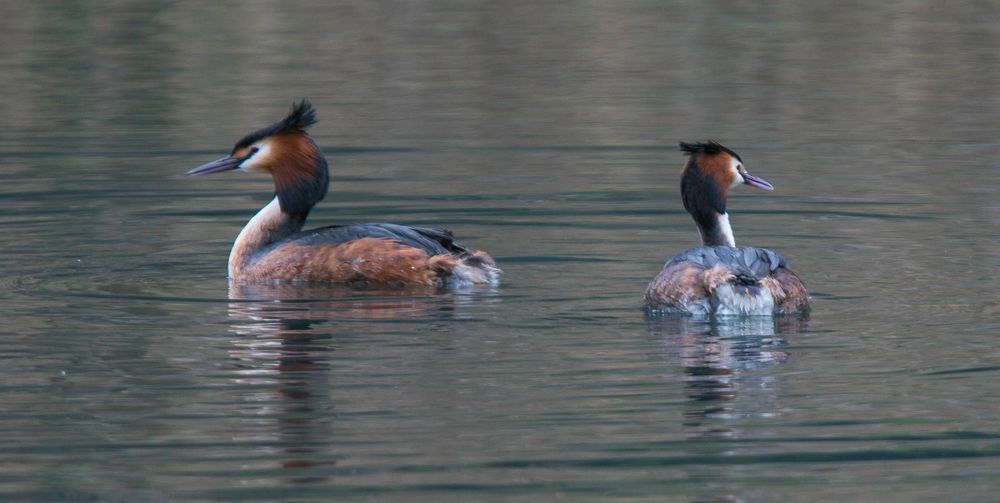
pixel 718 168
pixel 366 260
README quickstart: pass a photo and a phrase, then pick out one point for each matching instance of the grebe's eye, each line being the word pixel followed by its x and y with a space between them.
pixel 253 150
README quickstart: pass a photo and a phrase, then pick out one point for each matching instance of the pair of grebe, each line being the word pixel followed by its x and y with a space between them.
pixel 715 278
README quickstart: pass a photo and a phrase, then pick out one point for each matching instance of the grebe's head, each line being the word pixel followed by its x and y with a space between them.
pixel 720 166
pixel 710 171
pixel 285 151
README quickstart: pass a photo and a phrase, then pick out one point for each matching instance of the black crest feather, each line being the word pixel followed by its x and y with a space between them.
pixel 707 147
pixel 299 118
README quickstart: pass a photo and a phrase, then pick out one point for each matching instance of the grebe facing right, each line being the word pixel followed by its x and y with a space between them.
pixel 719 278
pixel 272 247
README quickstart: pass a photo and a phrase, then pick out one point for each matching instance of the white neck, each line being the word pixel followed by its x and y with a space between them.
pixel 260 231
pixel 726 230
pixel 715 230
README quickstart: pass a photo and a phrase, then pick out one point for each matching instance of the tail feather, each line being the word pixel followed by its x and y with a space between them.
pixel 477 268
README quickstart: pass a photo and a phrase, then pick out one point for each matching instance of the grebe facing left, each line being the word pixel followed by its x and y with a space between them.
pixel 271 247
pixel 719 278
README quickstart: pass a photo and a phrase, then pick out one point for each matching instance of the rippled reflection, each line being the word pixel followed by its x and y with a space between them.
pixel 284 344
pixel 725 366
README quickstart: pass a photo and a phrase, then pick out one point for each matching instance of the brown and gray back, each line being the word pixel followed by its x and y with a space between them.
pixel 719 278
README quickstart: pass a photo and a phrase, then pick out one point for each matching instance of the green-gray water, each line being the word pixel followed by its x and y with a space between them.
pixel 545 133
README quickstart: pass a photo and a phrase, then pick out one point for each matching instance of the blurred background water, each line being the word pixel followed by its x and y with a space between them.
pixel 544 132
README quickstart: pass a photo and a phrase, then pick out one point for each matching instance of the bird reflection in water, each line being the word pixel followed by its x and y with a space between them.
pixel 728 368
pixel 725 364
pixel 286 337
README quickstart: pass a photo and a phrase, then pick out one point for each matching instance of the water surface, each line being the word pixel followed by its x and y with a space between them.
pixel 545 133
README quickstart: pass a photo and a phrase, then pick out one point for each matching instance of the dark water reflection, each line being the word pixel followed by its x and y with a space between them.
pixel 723 360
pixel 543 133
pixel 279 344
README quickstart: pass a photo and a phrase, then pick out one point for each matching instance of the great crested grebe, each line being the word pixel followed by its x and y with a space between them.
pixel 272 246
pixel 719 278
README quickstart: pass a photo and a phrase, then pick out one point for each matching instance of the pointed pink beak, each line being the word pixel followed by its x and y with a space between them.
pixel 217 166
pixel 753 181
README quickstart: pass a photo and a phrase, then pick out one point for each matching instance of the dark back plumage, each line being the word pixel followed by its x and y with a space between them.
pixel 432 241
pixel 757 263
